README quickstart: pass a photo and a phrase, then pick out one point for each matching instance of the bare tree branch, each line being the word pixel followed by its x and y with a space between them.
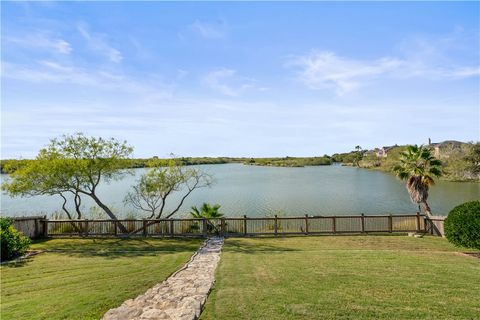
pixel 156 186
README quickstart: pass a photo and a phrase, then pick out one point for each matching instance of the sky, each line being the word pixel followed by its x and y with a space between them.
pixel 251 79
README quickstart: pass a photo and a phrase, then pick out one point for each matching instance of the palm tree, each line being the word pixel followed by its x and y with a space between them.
pixel 418 166
pixel 358 155
pixel 208 212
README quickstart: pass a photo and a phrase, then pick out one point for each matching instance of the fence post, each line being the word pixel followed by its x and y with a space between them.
pixel 275 226
pixel 390 223
pixel 306 224
pixel 36 233
pixel 222 226
pixel 245 225
pixel 418 222
pixel 86 227
pixel 204 227
pixel 334 224
pixel 363 223
pixel 145 233
pixel 171 228
pixel 45 228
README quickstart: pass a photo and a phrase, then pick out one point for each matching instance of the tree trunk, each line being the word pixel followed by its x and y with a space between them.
pixel 108 211
pixel 68 214
pixel 142 227
pixel 78 202
pixel 427 209
pixel 64 207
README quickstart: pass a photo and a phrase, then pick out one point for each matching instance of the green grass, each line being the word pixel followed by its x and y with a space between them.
pixel 87 277
pixel 346 277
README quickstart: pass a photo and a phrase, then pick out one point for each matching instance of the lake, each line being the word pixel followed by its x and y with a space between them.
pixel 260 191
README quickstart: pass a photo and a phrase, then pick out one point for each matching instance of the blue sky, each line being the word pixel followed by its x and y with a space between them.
pixel 239 79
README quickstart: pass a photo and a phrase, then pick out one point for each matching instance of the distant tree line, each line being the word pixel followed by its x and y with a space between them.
pixel 290 161
pixel 459 164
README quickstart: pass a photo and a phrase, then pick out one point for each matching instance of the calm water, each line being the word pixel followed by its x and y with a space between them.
pixel 258 191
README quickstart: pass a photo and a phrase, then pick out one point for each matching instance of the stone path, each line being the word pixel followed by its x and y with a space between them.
pixel 181 296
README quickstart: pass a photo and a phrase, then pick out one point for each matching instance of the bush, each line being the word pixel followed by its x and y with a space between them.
pixel 13 243
pixel 462 226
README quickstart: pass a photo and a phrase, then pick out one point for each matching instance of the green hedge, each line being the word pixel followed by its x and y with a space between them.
pixel 462 226
pixel 13 243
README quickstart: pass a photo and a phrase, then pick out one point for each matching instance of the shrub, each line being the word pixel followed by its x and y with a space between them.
pixel 13 243
pixel 462 226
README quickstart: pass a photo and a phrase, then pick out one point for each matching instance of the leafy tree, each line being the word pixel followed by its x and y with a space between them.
pixel 473 158
pixel 418 167
pixel 43 177
pixel 73 164
pixel 153 189
pixel 358 155
pixel 10 165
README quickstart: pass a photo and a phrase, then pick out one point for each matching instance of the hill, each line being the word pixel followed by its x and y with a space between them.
pixel 453 154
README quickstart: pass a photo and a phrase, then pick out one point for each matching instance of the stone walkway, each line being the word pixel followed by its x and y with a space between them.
pixel 181 296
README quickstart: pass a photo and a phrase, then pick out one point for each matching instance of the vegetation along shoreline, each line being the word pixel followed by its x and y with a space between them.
pixel 460 160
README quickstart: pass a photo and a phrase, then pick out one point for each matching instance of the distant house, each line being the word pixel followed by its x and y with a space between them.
pixel 383 151
pixel 439 147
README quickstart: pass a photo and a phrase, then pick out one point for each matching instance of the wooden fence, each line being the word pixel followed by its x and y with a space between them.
pixel 239 227
pixel 33 227
pixel 435 225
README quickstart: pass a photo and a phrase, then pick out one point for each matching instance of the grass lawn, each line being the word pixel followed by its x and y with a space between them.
pixel 344 277
pixel 87 277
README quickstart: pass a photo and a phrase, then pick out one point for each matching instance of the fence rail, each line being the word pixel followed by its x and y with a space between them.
pixel 240 227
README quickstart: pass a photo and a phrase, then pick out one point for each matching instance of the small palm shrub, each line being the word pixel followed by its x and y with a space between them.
pixel 208 211
pixel 13 243
pixel 462 226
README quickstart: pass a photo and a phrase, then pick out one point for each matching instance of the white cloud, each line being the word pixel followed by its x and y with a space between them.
pixel 40 41
pixel 326 70
pixel 208 30
pixel 62 46
pixel 215 79
pixel 227 82
pixel 55 66
pixel 97 42
pixel 431 59
pixel 465 72
pixel 45 71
